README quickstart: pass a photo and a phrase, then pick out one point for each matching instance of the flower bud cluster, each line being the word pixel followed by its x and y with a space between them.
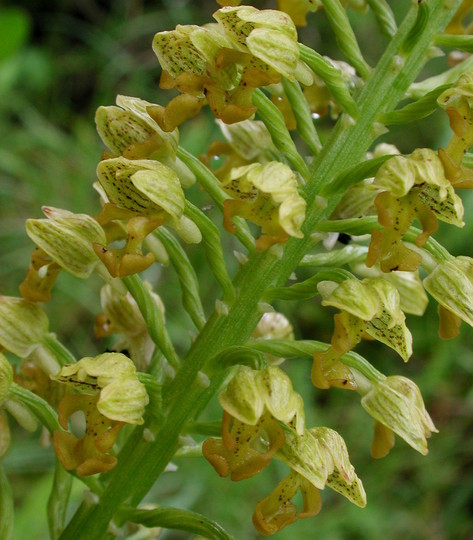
pixel 221 64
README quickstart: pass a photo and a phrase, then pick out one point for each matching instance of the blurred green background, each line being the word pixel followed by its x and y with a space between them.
pixel 61 59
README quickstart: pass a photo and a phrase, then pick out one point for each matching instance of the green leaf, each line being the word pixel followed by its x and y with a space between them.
pixel 355 174
pixel 332 77
pixel 58 500
pixel 181 520
pixel 417 110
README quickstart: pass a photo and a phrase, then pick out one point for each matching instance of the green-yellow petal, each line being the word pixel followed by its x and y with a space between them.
pixel 23 325
pixel 124 400
pixel 68 239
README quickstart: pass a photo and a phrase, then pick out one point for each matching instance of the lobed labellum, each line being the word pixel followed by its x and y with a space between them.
pixel 88 455
pixel 416 187
pixel 276 511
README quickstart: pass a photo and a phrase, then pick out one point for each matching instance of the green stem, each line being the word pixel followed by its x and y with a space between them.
pixel 307 348
pixel 152 317
pixel 213 248
pixel 174 518
pixel 274 122
pixel 332 77
pixel 187 276
pixel 211 185
pixel 346 39
pixel 302 114
pixel 37 405
pixel 58 500
pixel 141 462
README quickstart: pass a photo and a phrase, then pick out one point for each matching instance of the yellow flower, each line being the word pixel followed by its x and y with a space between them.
pixel 370 306
pixel 254 403
pixel 267 195
pixel 64 241
pixel 458 104
pixel 451 284
pixel 114 396
pixel 411 187
pixel 396 403
pixel 317 458
pixel 222 64
pixel 145 194
pixel 128 130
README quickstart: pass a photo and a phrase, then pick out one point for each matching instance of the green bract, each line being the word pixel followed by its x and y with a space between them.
pixel 250 393
pixel 67 238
